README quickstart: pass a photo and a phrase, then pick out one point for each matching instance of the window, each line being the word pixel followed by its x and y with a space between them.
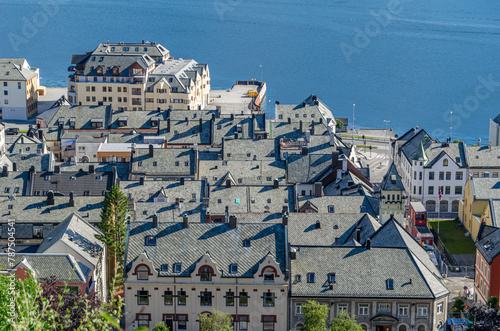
pixel 205 298
pixel 268 299
pixel 475 175
pixel 431 190
pixel 298 309
pixel 310 277
pixel 18 85
pixel 441 175
pixel 363 309
pixel 268 323
pixel 422 310
pixel 448 175
pixel 331 209
pixel 176 268
pixel 298 278
pixel 402 328
pixel 269 276
pixel 445 162
pixel 142 273
pixel 341 308
pixel 243 321
pixel 233 268
pixel 142 298
pixel 181 298
pixel 164 267
pixel 206 274
pixel 458 189
pixel 5 92
pixel 331 277
pixel 403 310
pixel 168 298
pixel 181 322
pixel 389 283
pixel 383 307
pixel 420 175
pixel 176 163
pixel 495 175
pixel 229 299
pixel 243 299
pixel 440 308
pixel 246 243
pixel 143 320
pixel 447 190
pixel 150 240
pixel 431 175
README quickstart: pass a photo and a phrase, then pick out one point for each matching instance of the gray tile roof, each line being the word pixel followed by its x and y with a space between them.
pixel 485 188
pixel 121 168
pixel 169 162
pixel 495 211
pixel 342 204
pixel 184 133
pixel 82 115
pixel 136 119
pixel 497 119
pixel 302 228
pixel 360 273
pixel 78 182
pixel 62 266
pixel 25 161
pixel 456 151
pixel 488 242
pixel 279 130
pixel 484 157
pixel 77 234
pixel 392 180
pixel 246 149
pixel 175 244
pixel 150 48
pixel 173 190
pixel 169 212
pixel 308 168
pixel 14 70
pixel 15 183
pixel 409 148
pixel 122 61
pixel 224 127
pixel 261 172
pixel 180 115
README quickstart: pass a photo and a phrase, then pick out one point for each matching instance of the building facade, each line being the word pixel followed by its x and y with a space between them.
pixel 487 267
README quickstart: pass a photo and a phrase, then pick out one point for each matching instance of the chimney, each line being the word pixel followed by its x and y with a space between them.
pixel 213 116
pixel 344 165
pixel 186 119
pixel 40 135
pixel 335 159
pixel 303 103
pixel 358 234
pixel 232 117
pixel 5 171
pixel 368 244
pixel 185 221
pixel 14 166
pixel 168 125
pixel 151 150
pixel 71 199
pixel 228 183
pixel 50 198
pixel 318 224
pixel 285 209
pixel 232 222
pixel 479 142
pixel 320 120
pixel 293 254
pixel 317 189
pixel 155 221
pixel 336 241
pixel 182 181
pixel 312 127
pixel 57 170
pixel 289 120
pixel 201 125
pixel 276 183
pixel 304 151
pixel 32 169
pixel 141 181
pixel 236 135
pixel 91 169
pixel 308 136
pixel 284 221
pixel 300 127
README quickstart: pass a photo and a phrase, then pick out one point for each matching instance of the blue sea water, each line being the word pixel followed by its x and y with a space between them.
pixel 411 62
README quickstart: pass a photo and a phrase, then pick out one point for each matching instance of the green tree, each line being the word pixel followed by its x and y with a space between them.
pixel 339 124
pixel 21 293
pixel 315 315
pixel 114 228
pixel 344 322
pixel 161 327
pixel 492 302
pixel 217 321
pixel 458 305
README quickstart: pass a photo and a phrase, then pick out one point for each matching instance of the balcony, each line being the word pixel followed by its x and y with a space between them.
pixel 136 102
pixel 136 93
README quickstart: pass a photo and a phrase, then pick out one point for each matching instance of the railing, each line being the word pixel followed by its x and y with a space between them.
pixel 136 93
pixel 136 103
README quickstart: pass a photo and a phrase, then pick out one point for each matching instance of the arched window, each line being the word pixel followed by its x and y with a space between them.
pixel 430 205
pixel 142 273
pixel 299 326
pixel 206 274
pixel 364 327
pixel 402 328
pixel 443 206
pixel 421 328
pixel 454 206
pixel 445 164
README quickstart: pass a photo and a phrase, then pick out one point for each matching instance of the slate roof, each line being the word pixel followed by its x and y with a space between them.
pixel 136 119
pixel 27 145
pixel 302 229
pixel 488 242
pixel 342 204
pixel 62 266
pixel 169 162
pixel 175 244
pixel 409 148
pixel 307 168
pixel 172 190
pixel 497 119
pixel 150 48
pixel 485 188
pixel 25 161
pixel 110 60
pixel 278 130
pixel 14 70
pixel 180 115
pixel 169 212
pixel 77 182
pixel 350 265
pixel 456 151
pixel 224 127
pixel 184 133
pixel 82 115
pixel 484 156
pixel 121 167
pixel 15 183
pixel 310 109
pixel 79 235
pixel 392 180
pixel 260 172
pixel 247 150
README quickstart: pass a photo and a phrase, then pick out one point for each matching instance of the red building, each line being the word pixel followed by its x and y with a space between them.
pixel 417 224
pixel 487 282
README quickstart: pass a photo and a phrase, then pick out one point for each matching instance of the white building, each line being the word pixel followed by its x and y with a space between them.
pixel 2 139
pixel 494 137
pixel 18 89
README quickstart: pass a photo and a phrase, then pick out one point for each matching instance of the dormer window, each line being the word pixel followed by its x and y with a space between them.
pixel 150 241
pixel 331 209
pixel 99 71
pixel 310 277
pixel 164 267
pixel 389 283
pixel 122 121
pixel 269 276
pixel 331 277
pixel 298 278
pixel 363 209
pixel 233 268
pixel 142 273
pixel 99 177
pixel 176 268
pixel 445 162
pixel 206 274
pixel 116 71
pixel 246 243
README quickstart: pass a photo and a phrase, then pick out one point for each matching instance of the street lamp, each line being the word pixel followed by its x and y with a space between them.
pixel 388 146
pixel 353 105
pixel 451 126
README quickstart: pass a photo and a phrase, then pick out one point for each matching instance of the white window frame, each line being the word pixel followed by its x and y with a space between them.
pixel 342 308
pixel 422 310
pixel 405 308
pixel 361 309
pixel 380 305
pixel 298 308
pixel 440 307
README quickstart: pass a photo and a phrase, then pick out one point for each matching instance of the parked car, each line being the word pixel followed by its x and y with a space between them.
pixel 12 131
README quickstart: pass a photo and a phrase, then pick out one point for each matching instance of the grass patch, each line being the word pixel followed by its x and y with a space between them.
pixel 367 146
pixel 452 233
pixel 357 137
pixel 23 131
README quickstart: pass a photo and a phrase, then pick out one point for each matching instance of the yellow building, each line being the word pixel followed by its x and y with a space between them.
pixel 139 76
pixel 481 204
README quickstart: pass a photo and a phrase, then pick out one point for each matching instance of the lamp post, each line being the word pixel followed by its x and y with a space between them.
pixel 386 122
pixel 353 105
pixel 451 126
